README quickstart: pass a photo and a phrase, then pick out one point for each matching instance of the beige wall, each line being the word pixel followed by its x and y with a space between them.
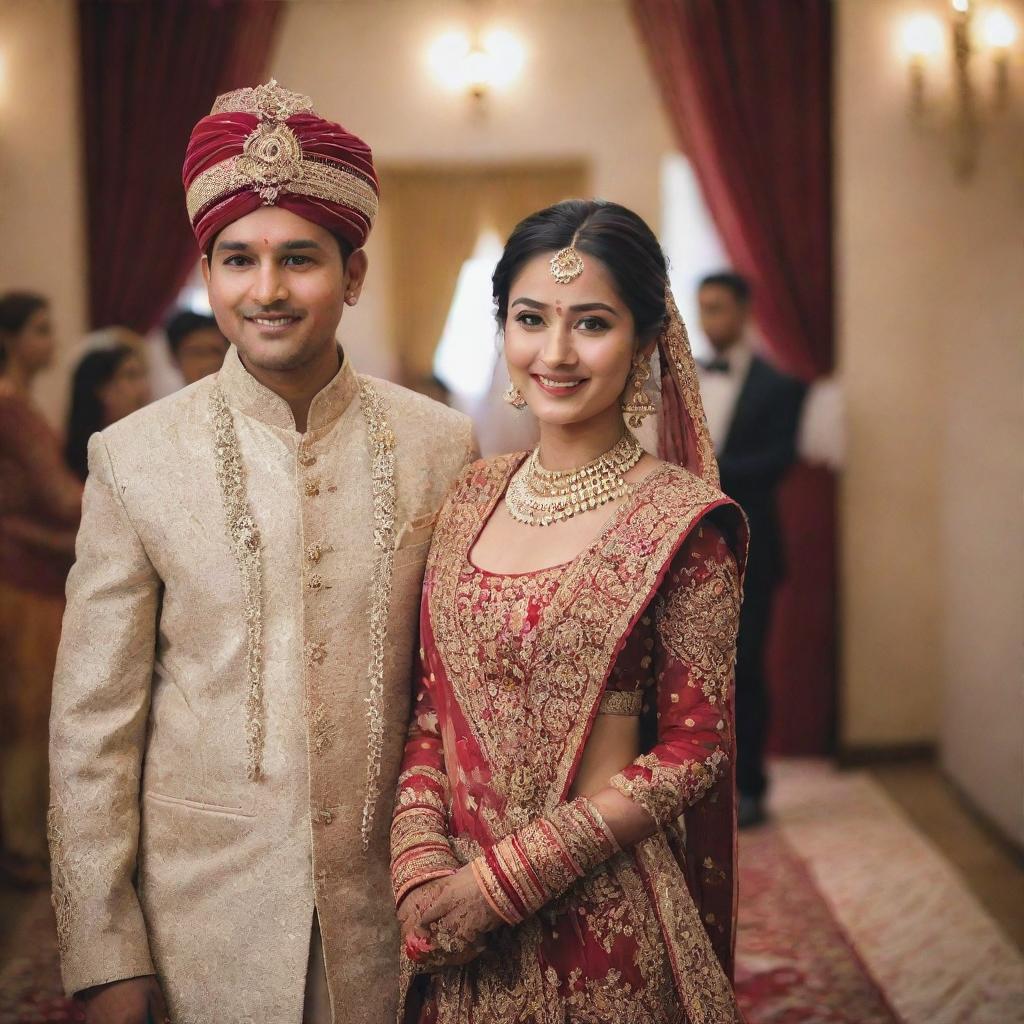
pixel 585 93
pixel 41 228
pixel 930 275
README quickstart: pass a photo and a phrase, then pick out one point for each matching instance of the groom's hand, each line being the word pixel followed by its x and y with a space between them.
pixel 132 1001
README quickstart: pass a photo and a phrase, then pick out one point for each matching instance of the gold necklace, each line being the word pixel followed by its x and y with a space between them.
pixel 539 497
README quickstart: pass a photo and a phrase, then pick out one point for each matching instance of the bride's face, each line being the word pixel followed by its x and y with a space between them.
pixel 569 347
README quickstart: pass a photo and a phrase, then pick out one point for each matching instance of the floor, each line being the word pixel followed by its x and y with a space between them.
pixel 991 869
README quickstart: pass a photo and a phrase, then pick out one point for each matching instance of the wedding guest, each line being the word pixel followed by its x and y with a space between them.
pixel 753 412
pixel 108 385
pixel 40 503
pixel 197 346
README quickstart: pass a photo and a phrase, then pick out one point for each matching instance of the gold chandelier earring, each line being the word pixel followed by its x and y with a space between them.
pixel 639 406
pixel 514 397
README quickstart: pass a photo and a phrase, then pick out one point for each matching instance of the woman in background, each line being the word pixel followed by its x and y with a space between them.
pixel 563 845
pixel 109 384
pixel 40 504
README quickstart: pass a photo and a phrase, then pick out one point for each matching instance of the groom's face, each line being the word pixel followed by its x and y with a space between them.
pixel 278 285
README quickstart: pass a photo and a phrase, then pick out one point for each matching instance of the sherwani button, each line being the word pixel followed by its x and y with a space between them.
pixel 306 457
pixel 312 488
pixel 314 553
pixel 315 583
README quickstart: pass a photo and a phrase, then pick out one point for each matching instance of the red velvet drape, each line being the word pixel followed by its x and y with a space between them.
pixel 748 87
pixel 149 71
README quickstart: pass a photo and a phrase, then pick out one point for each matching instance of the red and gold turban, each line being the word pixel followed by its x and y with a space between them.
pixel 268 147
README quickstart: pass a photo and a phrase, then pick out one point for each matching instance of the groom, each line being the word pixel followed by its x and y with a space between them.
pixel 231 693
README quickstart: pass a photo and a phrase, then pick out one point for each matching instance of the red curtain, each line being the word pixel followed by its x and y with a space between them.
pixel 149 71
pixel 748 88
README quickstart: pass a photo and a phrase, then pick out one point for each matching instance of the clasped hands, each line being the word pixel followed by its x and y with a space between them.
pixel 444 921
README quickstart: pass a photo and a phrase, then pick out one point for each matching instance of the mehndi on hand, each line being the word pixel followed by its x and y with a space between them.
pixel 450 930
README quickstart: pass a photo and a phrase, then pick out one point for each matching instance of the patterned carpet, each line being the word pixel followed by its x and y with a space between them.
pixel 847 916
pixel 794 964
pixel 932 949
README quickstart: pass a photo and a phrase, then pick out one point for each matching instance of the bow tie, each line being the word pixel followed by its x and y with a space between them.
pixel 718 365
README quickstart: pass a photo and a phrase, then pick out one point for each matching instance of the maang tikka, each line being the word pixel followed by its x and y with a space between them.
pixel 639 405
pixel 566 265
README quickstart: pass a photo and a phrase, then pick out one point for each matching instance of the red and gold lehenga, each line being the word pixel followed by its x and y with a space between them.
pixel 513 671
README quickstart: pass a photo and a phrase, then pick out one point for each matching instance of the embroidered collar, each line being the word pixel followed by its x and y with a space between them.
pixel 246 394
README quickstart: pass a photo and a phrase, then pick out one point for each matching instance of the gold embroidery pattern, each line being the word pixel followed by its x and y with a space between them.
pixel 698 625
pixel 305 176
pixel 621 702
pixel 271 158
pixel 316 653
pixel 382 476
pixel 510 984
pixel 597 596
pixel 707 994
pixel 670 788
pixel 245 539
pixel 675 342
pixel 268 100
pixel 323 729
pixel 433 774
pixel 60 896
pixel 614 907
pixel 419 798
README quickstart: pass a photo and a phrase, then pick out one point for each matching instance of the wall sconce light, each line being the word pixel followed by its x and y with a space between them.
pixel 922 41
pixel 476 65
pixel 999 33
pixel 973 33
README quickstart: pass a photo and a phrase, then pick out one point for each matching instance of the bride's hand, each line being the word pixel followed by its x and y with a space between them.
pixel 450 929
pixel 416 904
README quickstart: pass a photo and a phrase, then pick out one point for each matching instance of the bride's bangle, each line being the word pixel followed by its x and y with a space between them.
pixel 420 851
pixel 529 868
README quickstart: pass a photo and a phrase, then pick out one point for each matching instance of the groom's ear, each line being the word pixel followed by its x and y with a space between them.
pixel 356 267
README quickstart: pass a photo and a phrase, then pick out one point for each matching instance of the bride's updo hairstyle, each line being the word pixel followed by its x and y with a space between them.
pixel 617 237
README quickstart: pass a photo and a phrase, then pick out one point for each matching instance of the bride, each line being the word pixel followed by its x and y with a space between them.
pixel 563 846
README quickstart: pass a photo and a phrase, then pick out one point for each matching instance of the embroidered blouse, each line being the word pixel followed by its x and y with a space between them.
pixel 676 663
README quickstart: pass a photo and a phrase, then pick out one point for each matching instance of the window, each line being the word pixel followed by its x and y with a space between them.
pixel 468 349
pixel 689 239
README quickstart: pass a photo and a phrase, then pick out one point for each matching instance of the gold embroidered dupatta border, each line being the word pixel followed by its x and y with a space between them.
pixel 633 566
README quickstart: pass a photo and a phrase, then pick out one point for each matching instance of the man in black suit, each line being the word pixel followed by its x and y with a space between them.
pixel 753 413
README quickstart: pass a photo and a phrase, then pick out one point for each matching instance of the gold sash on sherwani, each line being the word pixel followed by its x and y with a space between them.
pixel 600 597
pixel 179 844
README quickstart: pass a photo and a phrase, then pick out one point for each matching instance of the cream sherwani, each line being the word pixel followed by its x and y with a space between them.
pixel 167 856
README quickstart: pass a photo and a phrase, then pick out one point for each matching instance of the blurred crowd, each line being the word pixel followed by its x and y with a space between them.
pixel 42 474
